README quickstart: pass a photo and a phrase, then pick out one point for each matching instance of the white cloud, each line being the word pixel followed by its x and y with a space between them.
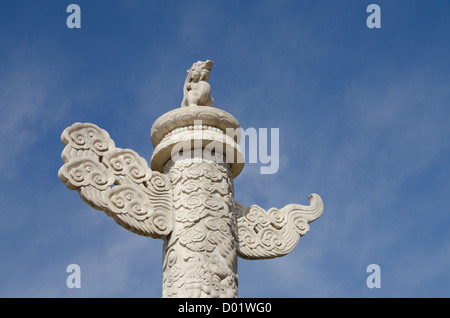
pixel 29 103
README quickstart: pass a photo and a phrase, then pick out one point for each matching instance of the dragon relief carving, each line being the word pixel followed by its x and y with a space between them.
pixel 201 259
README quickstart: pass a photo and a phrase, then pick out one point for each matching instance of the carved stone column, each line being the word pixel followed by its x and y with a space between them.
pixel 200 258
pixel 199 255
pixel 187 197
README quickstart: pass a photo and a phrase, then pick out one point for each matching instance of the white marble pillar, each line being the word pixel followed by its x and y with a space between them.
pixel 187 197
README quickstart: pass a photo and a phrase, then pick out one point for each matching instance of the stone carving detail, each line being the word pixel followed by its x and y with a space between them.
pixel 196 88
pixel 117 181
pixel 212 139
pixel 200 256
pixel 188 200
pixel 183 117
pixel 274 233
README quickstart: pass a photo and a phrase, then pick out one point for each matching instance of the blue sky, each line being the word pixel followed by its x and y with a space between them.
pixel 363 115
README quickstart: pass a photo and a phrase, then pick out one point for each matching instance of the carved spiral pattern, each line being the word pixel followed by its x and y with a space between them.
pixel 127 162
pixel 87 137
pixel 273 233
pixel 200 256
pixel 117 181
pixel 158 183
pixel 86 172
pixel 124 199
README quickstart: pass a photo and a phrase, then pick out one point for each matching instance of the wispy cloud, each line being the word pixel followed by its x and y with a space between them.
pixel 29 103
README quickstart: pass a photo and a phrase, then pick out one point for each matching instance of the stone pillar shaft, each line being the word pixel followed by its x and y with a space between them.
pixel 199 255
